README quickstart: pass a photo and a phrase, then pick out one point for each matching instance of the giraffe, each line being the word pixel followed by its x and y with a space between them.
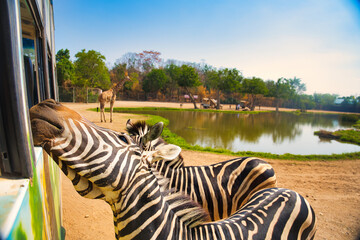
pixel 110 96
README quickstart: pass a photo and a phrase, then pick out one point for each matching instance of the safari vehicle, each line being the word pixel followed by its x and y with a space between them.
pixel 30 203
pixel 209 103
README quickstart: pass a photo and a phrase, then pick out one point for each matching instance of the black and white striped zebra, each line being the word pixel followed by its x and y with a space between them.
pixel 142 206
pixel 220 188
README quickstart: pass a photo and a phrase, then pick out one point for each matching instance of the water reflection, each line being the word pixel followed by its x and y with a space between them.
pixel 265 132
pixel 247 127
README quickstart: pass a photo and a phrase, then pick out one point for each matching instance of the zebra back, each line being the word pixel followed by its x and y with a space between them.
pixel 273 213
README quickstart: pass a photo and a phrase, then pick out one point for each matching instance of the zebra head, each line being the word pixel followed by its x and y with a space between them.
pixel 147 137
pixel 108 160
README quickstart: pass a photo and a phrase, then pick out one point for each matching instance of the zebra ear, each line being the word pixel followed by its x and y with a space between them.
pixel 167 152
pixel 164 152
pixel 154 132
pixel 129 124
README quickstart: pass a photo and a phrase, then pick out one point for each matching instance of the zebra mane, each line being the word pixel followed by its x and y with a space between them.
pixel 140 128
pixel 137 128
pixel 190 213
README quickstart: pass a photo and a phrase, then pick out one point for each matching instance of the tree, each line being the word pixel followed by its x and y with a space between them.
pixel 138 66
pixel 90 70
pixel 64 67
pixel 173 72
pixel 254 87
pixel 154 81
pixel 280 89
pixel 306 101
pixel 148 60
pixel 188 78
pixel 296 89
pixel 130 59
pixel 323 101
pixel 296 86
pixel 118 72
pixel 142 62
pixel 224 80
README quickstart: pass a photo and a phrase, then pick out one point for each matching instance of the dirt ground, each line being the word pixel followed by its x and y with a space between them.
pixel 331 187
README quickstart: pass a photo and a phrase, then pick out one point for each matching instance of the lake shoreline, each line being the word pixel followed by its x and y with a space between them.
pixel 173 138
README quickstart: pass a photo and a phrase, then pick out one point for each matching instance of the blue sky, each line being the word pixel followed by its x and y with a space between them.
pixel 317 41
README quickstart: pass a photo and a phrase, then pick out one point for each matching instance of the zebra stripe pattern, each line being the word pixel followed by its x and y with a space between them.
pixel 273 213
pixel 221 188
pixel 142 207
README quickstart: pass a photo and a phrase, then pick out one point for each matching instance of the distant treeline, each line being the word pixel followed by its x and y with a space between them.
pixel 152 78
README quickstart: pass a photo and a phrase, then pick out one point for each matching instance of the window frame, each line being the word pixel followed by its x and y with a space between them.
pixel 16 145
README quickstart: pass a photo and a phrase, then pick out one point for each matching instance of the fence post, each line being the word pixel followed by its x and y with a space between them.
pixel 87 95
pixel 73 94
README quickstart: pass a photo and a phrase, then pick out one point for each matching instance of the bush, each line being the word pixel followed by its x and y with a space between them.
pixel 350 117
pixel 350 136
pixel 357 125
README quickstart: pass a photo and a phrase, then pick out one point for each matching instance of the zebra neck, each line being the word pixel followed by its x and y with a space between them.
pixel 81 184
pixel 165 167
pixel 139 213
pixel 147 210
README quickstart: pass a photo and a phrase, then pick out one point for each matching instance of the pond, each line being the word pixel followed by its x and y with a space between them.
pixel 271 132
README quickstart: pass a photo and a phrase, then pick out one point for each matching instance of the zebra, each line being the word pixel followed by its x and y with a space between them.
pixel 220 188
pixel 142 205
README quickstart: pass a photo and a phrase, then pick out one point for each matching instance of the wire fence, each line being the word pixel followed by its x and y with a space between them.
pixel 77 94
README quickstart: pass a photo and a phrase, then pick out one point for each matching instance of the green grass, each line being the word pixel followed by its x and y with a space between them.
pixel 350 136
pixel 357 125
pixel 173 138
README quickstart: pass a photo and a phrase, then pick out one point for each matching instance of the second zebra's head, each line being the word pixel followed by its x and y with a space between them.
pixel 106 158
pixel 147 137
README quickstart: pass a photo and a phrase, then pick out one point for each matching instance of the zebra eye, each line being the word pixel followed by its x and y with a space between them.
pixel 122 138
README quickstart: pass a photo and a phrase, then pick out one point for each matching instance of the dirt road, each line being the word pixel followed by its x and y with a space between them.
pixel 331 187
